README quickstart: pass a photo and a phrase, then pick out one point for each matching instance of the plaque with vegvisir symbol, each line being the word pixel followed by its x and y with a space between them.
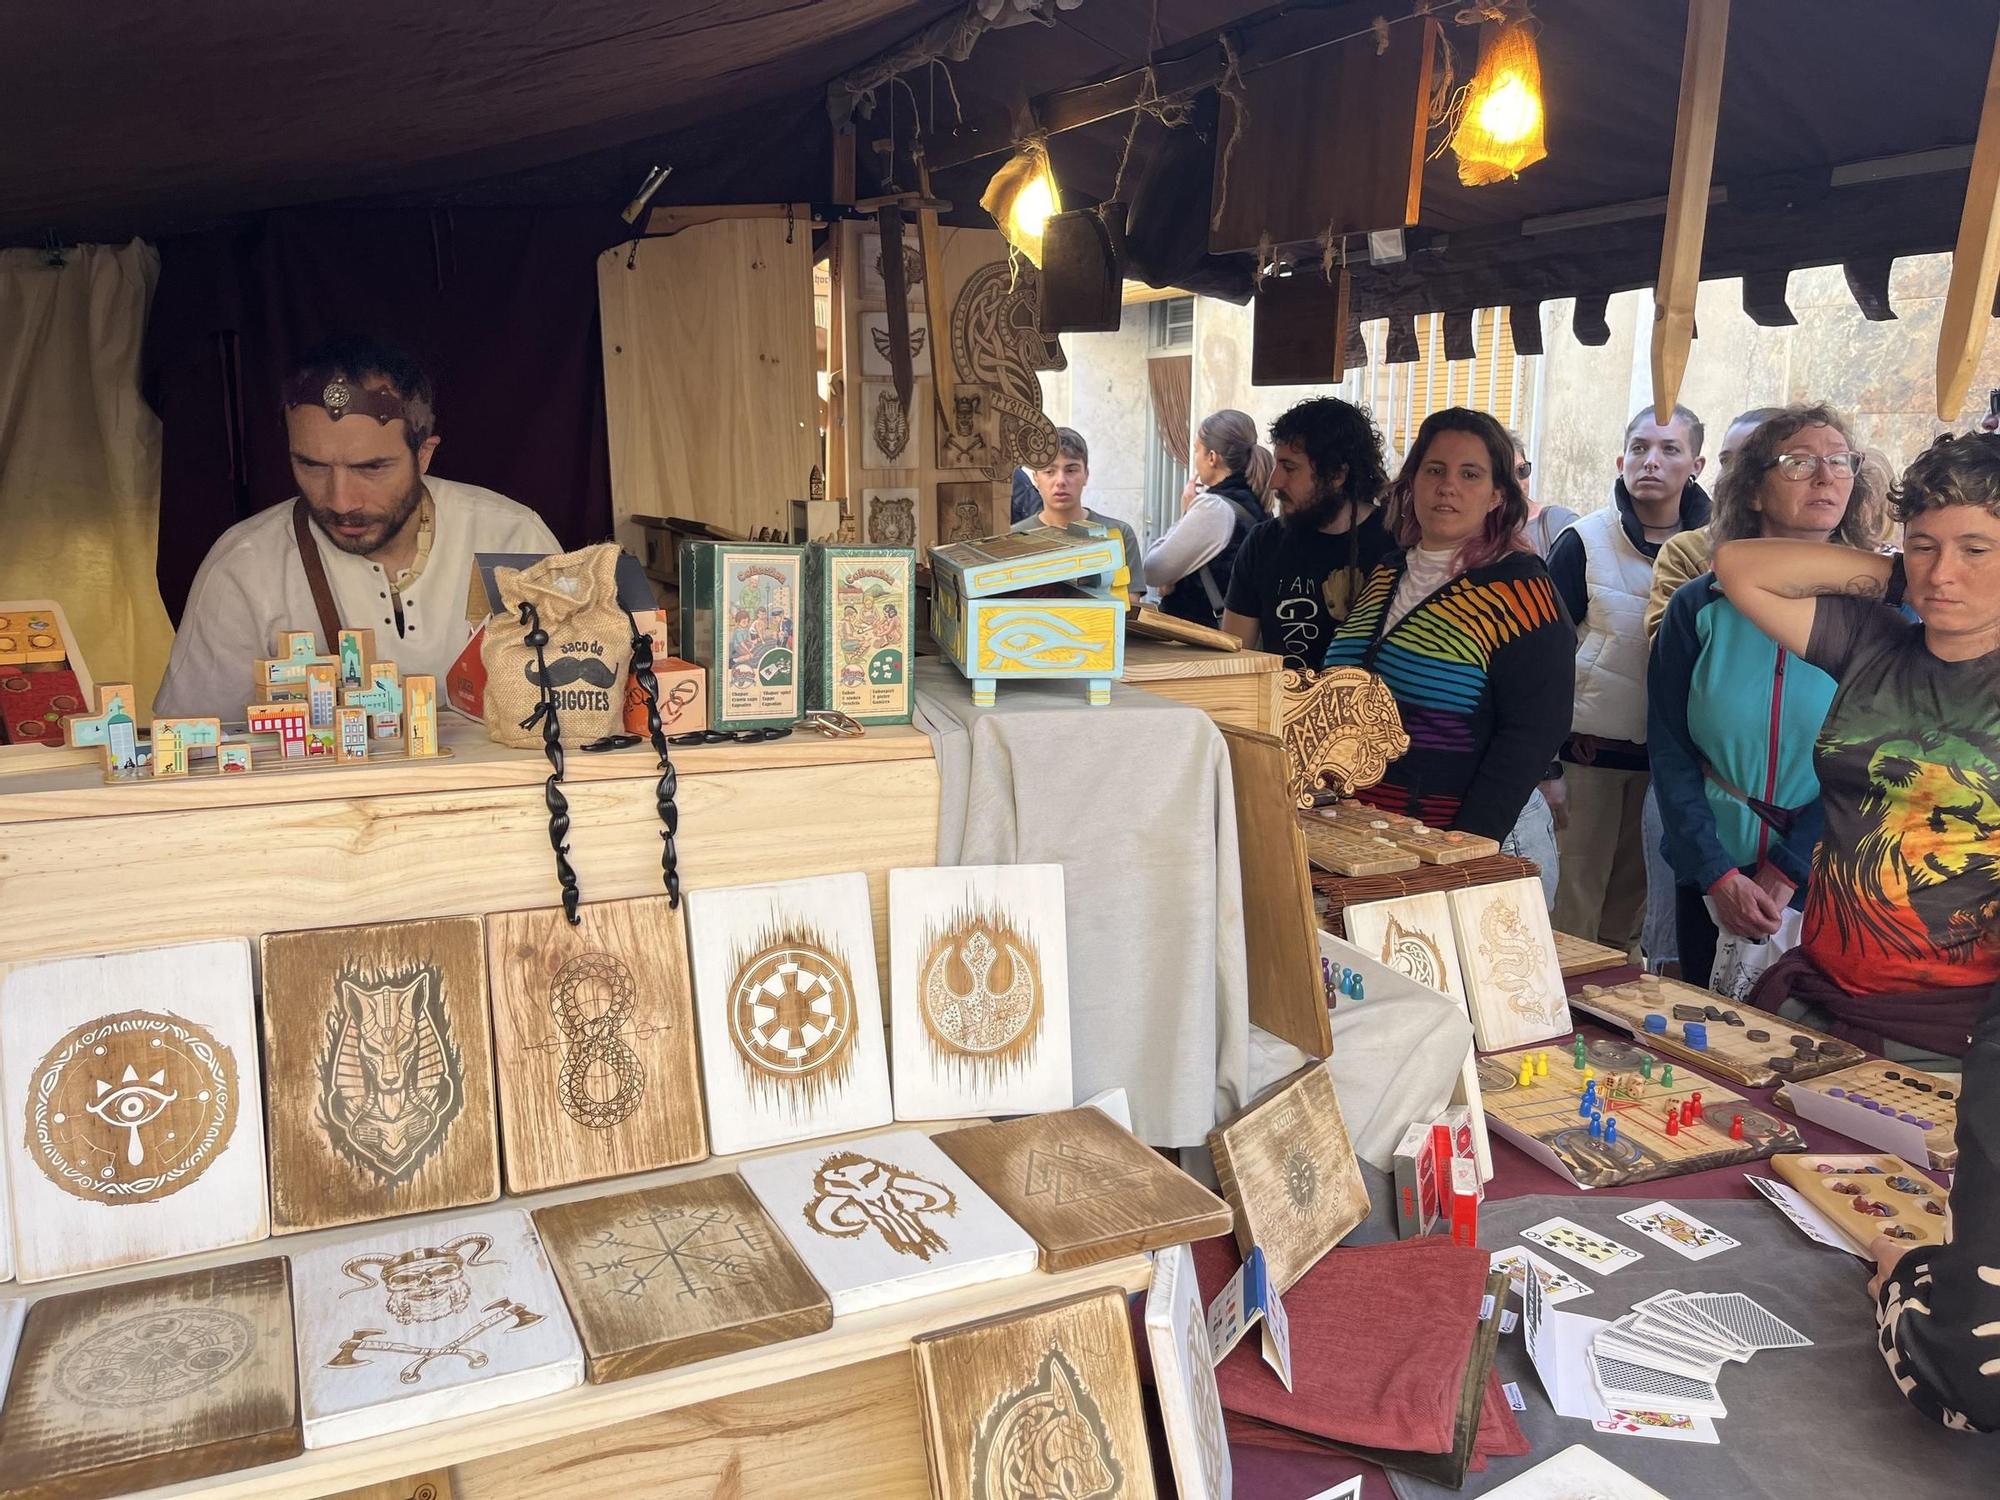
pixel 131 1080
pixel 594 1042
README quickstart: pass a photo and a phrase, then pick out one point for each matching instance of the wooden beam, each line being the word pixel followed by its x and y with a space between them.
pixel 1687 200
pixel 1975 262
pixel 676 217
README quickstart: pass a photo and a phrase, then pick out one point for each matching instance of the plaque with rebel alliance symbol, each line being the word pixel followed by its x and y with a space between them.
pixel 593 1034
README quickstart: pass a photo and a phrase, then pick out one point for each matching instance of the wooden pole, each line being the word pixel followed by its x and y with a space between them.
pixel 1975 261
pixel 839 276
pixel 1687 200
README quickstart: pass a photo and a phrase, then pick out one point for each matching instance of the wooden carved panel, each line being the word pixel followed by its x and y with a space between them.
pixel 1342 730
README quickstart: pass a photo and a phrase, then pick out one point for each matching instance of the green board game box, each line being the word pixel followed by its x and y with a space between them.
pixel 740 621
pixel 860 631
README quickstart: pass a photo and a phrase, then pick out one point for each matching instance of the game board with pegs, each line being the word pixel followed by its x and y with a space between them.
pixel 1575 955
pixel 1737 1042
pixel 1863 1196
pixel 1341 851
pixel 1431 846
pixel 1923 1099
pixel 1632 1090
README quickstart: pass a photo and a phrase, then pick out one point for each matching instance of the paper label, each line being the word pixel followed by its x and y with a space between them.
pixel 1515 1399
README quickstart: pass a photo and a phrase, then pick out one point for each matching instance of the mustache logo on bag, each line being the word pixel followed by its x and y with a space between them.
pixel 568 669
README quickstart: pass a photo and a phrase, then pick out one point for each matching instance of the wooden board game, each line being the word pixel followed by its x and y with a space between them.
pixel 131 1089
pixel 1431 846
pixel 1744 1045
pixel 1581 956
pixel 979 991
pixel 1035 1404
pixel 671 1275
pixel 1087 1190
pixel 407 1325
pixel 146 1383
pixel 1342 851
pixel 1542 1116
pixel 594 1044
pixel 1863 1196
pixel 1928 1100
pixel 379 1060
pixel 1288 1169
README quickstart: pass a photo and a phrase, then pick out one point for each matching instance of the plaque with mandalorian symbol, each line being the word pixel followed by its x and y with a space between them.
pixel 415 1324
pixel 979 991
pixel 380 1059
pixel 131 1091
pixel 594 1044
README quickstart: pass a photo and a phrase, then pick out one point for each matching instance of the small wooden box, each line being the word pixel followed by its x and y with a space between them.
pixel 860 631
pixel 1037 604
pixel 740 621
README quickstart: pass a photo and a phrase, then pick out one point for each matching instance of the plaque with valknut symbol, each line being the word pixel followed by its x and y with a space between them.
pixel 790 1012
pixel 132 1083
pixel 594 1045
pixel 413 1325
pixel 979 989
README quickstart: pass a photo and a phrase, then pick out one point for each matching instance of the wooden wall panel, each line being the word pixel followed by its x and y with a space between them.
pixel 709 374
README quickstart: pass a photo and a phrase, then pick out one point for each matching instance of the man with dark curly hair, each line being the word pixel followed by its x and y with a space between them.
pixel 1298 574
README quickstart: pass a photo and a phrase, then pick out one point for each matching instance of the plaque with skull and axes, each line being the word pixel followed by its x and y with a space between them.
pixel 437 1320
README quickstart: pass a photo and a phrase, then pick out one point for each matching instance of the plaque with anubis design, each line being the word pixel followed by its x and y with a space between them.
pixel 1036 1404
pixel 379 1055
pixel 131 1098
pixel 979 991
pixel 790 1013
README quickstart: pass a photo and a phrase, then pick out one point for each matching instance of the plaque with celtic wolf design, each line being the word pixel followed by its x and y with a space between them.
pixel 1087 1189
pixel 593 1041
pixel 979 991
pixel 380 1058
pixel 885 1218
pixel 790 1010
pixel 1288 1169
pixel 131 1088
pixel 670 1275
pixel 1036 1404
pixel 408 1324
pixel 122 1388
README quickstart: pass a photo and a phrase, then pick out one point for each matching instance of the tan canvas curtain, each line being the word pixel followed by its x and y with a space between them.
pixel 80 453
pixel 1172 378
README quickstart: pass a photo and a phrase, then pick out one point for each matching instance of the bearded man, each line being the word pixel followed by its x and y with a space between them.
pixel 373 540
pixel 1298 574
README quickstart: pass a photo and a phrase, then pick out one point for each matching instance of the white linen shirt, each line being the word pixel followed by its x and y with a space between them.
pixel 253 585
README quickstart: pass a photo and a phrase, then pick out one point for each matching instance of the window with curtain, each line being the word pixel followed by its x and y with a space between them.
pixel 1171 381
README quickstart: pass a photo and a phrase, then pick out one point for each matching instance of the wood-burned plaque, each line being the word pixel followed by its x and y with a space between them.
pixel 1087 1190
pixel 380 1061
pixel 131 1080
pixel 149 1382
pixel 1341 730
pixel 1035 1404
pixel 671 1275
pixel 594 1045
pixel 1287 1166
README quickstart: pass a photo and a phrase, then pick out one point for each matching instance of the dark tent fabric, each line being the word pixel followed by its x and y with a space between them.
pixel 499 304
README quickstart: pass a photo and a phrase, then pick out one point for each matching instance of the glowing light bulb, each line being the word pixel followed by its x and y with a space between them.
pixel 1511 111
pixel 1032 206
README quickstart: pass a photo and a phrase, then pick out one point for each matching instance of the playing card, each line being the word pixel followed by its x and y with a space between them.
pixel 1586 1247
pixel 1631 1339
pixel 1679 1230
pixel 1671 1426
pixel 1748 1320
pixel 1673 1311
pixel 1626 1385
pixel 1558 1286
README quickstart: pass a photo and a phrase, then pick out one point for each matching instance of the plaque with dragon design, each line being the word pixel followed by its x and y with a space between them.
pixel 979 991
pixel 1513 981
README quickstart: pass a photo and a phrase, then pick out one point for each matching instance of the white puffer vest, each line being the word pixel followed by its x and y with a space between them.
pixel 1611 657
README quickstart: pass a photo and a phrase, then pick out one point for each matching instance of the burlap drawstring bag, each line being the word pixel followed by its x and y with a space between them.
pixel 575 599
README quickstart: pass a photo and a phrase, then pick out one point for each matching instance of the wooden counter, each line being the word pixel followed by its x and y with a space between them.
pixel 1242 688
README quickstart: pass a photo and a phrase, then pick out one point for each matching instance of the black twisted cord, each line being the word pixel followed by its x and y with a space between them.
pixel 669 783
pixel 545 715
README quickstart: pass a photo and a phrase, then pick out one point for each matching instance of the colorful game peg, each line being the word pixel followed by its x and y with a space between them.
pixel 1541 1065
pixel 1695 1100
pixel 1736 1127
pixel 1667 1076
pixel 1597 1124
pixel 1646 1067
pixel 1577 1055
pixel 1687 1111
pixel 1673 1123
pixel 1527 1076
pixel 1584 1104
pixel 1588 1073
pixel 1611 1131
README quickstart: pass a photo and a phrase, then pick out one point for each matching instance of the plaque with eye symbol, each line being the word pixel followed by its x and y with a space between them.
pixel 132 1088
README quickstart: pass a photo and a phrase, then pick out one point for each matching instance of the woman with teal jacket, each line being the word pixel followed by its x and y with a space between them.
pixel 1731 716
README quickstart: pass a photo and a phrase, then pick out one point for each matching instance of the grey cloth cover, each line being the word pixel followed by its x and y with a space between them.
pixel 1825 1421
pixel 1134 801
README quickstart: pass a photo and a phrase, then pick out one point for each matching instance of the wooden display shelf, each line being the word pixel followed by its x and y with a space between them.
pixel 853 1340
pixel 1243 688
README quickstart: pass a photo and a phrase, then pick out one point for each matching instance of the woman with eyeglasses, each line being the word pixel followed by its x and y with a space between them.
pixel 1465 627
pixel 1732 714
pixel 1545 522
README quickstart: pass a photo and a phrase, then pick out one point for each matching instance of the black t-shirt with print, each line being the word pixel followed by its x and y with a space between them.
pixel 1280 581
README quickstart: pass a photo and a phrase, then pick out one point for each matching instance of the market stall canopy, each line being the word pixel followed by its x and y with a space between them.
pixel 1845 130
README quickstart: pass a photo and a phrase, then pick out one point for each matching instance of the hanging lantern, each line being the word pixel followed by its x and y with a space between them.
pixel 1500 130
pixel 1021 197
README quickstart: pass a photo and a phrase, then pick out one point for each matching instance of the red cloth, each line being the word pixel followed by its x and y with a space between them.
pixel 1499 1435
pixel 1381 1335
pixel 1936 1020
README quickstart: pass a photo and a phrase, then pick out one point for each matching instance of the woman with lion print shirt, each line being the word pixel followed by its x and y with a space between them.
pixel 1905 906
